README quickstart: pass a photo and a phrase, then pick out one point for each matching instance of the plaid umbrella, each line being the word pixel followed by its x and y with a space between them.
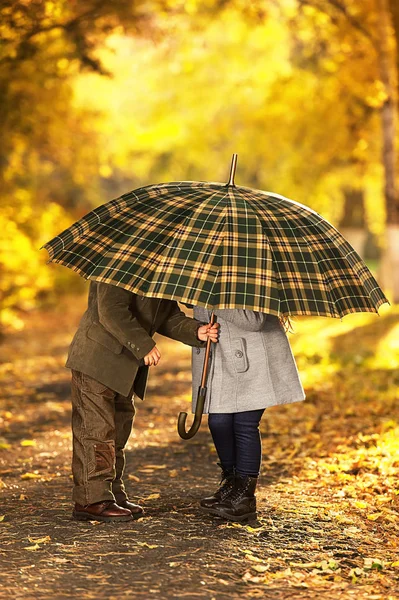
pixel 220 246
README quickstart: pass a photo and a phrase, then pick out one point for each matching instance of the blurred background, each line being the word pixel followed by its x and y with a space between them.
pixel 98 98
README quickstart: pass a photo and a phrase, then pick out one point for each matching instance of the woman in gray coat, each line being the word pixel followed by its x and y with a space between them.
pixel 252 367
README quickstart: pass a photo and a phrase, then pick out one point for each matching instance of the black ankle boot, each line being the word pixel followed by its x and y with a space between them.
pixel 225 489
pixel 241 503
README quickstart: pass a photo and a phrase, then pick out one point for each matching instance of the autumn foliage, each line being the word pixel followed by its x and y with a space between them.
pixel 100 98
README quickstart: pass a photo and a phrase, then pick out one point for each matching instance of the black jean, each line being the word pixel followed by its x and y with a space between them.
pixel 237 440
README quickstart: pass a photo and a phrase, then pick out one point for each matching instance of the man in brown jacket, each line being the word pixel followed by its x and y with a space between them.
pixel 109 357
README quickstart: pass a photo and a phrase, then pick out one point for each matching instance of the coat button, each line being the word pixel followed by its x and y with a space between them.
pixel 238 354
pixel 198 350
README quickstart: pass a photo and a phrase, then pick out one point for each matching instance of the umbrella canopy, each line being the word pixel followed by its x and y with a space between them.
pixel 220 246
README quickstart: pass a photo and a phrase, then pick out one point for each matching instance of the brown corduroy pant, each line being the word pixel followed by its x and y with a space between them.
pixel 102 421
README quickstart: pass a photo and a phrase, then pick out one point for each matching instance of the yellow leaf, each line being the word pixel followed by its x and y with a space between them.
pixel 154 466
pixel 28 443
pixel 152 497
pixel 253 558
pixel 2 517
pixel 35 547
pixel 261 568
pixel 395 564
pixel 41 540
pixel 361 504
pixel 173 473
pixel 31 476
pixel 133 477
pixel 22 497
pixel 308 565
pixel 148 545
pixel 374 516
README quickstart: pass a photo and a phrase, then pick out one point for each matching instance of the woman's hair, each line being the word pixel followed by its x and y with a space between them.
pixel 286 323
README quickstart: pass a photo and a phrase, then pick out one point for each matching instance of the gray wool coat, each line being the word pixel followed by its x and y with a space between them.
pixel 252 365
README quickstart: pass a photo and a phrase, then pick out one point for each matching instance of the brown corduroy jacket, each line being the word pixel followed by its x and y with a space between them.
pixel 115 334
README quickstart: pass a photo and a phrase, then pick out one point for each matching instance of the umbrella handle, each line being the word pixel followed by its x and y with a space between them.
pixel 181 423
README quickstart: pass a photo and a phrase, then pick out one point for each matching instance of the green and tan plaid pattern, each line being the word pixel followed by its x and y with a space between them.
pixel 219 246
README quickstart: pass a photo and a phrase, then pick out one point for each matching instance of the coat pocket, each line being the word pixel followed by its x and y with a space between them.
pixel 239 355
pixel 99 334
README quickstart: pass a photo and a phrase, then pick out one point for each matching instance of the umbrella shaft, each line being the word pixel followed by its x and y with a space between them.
pixel 200 400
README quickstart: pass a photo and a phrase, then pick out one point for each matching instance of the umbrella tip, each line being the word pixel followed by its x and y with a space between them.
pixel 232 170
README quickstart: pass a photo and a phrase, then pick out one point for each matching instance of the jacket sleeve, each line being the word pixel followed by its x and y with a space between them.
pixel 178 326
pixel 115 315
pixel 248 320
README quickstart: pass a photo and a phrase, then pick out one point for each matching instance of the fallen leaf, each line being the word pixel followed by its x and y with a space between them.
pixel 31 476
pixel 373 563
pixel 28 443
pixel 133 477
pixel 35 547
pixel 308 565
pixel 173 473
pixel 252 578
pixel 147 545
pixel 374 516
pixel 151 497
pixel 253 558
pixel 41 540
pixel 2 517
pixel 261 568
pixel 22 497
pixel 61 560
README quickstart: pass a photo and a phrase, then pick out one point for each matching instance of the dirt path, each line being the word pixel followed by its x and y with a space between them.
pixel 327 528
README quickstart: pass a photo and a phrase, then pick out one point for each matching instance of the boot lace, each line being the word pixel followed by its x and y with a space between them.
pixel 226 484
pixel 239 492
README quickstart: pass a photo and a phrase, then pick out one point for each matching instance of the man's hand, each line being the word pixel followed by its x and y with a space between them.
pixel 152 358
pixel 208 331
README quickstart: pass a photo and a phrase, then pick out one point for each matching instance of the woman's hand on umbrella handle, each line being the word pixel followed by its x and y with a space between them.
pixel 208 331
pixel 152 358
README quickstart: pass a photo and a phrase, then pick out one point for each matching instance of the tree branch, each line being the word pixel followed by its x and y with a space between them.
pixel 336 4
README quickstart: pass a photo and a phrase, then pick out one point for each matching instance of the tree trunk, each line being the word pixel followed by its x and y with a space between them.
pixel 388 61
pixel 352 224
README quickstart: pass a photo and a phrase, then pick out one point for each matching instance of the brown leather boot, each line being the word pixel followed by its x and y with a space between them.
pixel 136 510
pixel 107 511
